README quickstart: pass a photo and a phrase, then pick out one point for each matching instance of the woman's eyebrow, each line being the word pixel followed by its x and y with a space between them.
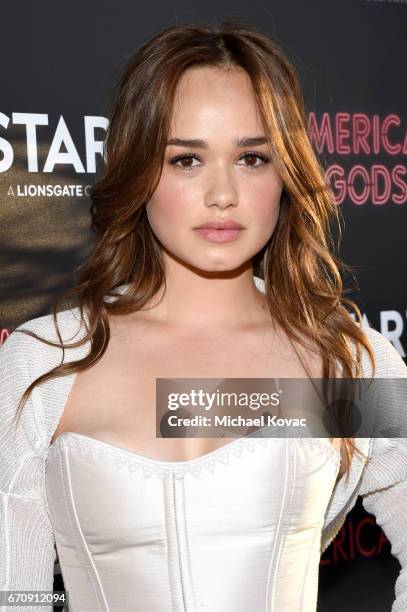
pixel 197 143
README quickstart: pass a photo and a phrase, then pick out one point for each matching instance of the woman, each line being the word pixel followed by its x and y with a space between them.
pixel 207 126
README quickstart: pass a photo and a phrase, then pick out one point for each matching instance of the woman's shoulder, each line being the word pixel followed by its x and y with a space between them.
pixel 23 359
pixel 389 362
pixel 22 340
pixel 33 348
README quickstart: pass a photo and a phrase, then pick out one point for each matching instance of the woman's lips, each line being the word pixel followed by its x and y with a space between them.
pixel 218 235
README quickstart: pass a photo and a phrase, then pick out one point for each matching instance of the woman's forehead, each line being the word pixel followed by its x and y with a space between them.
pixel 214 102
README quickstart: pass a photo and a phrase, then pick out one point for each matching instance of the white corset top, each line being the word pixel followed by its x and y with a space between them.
pixel 236 530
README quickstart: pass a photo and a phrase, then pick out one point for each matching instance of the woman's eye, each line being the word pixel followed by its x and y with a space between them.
pixel 256 156
pixel 252 157
pixel 181 158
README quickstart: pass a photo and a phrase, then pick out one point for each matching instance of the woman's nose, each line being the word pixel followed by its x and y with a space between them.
pixel 221 189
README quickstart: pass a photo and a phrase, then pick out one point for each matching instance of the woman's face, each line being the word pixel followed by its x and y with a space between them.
pixel 215 179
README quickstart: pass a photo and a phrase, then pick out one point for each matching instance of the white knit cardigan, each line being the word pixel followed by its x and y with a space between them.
pixel 27 545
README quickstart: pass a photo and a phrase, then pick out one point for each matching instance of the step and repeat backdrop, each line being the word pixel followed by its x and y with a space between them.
pixel 59 65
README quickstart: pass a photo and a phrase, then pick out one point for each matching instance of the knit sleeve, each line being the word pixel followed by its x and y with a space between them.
pixel 384 479
pixel 27 552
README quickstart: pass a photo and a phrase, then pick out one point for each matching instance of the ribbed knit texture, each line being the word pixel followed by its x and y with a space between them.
pixel 27 552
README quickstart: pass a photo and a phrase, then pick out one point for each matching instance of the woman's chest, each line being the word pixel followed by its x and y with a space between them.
pixel 116 399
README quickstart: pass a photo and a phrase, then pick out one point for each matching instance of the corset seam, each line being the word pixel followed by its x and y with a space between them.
pixel 312 550
pixel 188 552
pixel 167 517
pixel 179 560
pixel 70 503
pixel 278 536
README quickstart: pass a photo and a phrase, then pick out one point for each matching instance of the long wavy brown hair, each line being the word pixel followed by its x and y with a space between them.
pixel 299 264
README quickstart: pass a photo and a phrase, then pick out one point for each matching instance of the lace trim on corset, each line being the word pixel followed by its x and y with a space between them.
pixel 104 452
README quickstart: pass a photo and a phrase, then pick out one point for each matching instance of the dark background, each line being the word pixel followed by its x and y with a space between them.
pixel 63 59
